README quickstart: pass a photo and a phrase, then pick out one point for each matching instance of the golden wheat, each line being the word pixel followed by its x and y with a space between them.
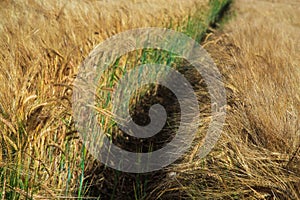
pixel 258 155
pixel 42 45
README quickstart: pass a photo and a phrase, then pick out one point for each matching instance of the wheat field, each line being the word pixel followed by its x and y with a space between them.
pixel 258 154
pixel 257 50
pixel 42 45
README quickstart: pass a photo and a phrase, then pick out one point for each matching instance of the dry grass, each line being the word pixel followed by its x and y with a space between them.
pixel 42 43
pixel 258 156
